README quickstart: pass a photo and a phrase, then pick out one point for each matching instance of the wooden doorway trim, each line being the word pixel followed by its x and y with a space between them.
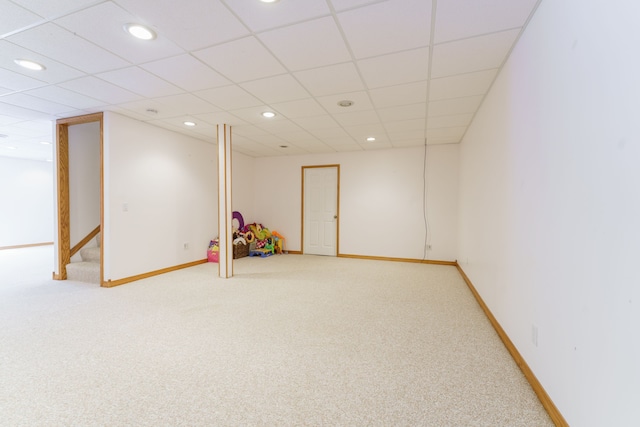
pixel 337 166
pixel 63 246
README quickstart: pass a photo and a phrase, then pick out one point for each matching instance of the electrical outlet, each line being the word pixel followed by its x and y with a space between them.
pixel 186 246
pixel 534 335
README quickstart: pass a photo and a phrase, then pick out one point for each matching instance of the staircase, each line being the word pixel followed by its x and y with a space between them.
pixel 87 270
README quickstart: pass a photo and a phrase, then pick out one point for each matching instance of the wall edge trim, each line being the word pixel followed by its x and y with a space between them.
pixel 28 245
pixel 413 260
pixel 112 283
pixel 537 387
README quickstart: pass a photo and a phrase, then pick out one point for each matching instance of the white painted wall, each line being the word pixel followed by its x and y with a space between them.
pixel 84 180
pixel 243 174
pixel 550 204
pixel 26 197
pixel 381 200
pixel 160 193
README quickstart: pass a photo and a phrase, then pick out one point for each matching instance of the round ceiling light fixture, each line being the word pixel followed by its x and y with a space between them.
pixel 190 124
pixel 371 139
pixel 30 65
pixel 345 103
pixel 140 31
pixel 269 1
pixel 269 114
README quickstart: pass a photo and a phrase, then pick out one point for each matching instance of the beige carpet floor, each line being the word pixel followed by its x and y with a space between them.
pixel 290 340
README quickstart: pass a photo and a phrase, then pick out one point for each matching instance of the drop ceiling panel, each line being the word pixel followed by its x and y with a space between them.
pixel 357 118
pixel 221 118
pixel 276 89
pixel 403 112
pixel 316 123
pixel 279 126
pixel 187 103
pixel 100 90
pixel 458 19
pixel 241 60
pixel 186 72
pixel 362 132
pixel 396 68
pixel 474 54
pixel 299 108
pixel 451 107
pixel 477 83
pixel 139 81
pixel 14 17
pixel 103 25
pixel 311 44
pixel 339 78
pixel 261 16
pixel 406 125
pixel 53 41
pixel 54 8
pixel 35 103
pixel 413 93
pixel 450 121
pixel 212 23
pixel 66 97
pixel 16 81
pixel 254 115
pixel 55 71
pixel 341 5
pixel 229 97
pixel 360 100
pixel 387 27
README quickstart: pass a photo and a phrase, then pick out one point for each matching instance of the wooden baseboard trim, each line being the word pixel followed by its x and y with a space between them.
pixel 294 252
pixel 30 245
pixel 113 283
pixel 413 260
pixel 546 401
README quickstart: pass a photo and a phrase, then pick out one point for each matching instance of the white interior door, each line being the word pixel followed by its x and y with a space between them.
pixel 320 228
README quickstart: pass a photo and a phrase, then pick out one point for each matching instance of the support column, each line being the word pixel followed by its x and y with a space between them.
pixel 225 218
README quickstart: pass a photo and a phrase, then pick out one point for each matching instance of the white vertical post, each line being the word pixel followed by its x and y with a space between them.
pixel 225 218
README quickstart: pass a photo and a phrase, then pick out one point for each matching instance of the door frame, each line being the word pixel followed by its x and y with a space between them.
pixel 63 246
pixel 337 167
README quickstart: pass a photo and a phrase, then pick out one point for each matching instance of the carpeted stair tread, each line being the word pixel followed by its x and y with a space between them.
pixel 90 254
pixel 84 271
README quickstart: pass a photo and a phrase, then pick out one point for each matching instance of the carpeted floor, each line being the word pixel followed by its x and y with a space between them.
pixel 290 340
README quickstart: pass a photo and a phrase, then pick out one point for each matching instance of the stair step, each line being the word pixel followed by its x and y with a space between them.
pixel 90 254
pixel 88 272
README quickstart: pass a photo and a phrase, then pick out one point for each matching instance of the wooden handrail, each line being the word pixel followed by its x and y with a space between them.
pixel 84 241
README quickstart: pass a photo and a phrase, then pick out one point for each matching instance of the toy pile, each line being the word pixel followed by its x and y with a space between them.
pixel 249 240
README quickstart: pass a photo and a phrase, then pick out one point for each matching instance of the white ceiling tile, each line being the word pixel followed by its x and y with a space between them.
pixel 341 5
pixel 299 108
pixel 474 54
pixel 339 78
pixel 403 112
pixel 221 118
pixel 416 136
pixel 54 8
pixel 450 107
pixel 35 103
pixel 397 68
pixel 100 90
pixel 357 118
pixel 279 126
pixel 317 123
pixel 55 42
pixel 459 19
pixel 362 132
pixel 192 24
pixel 253 115
pixel 446 134
pixel 249 131
pixel 412 93
pixel 186 72
pixel 360 100
pixel 229 97
pixel 449 121
pixel 241 60
pixel 139 81
pixel 406 125
pixel 276 89
pixel 408 142
pixel 66 97
pixel 261 16
pixel 334 133
pixel 387 27
pixel 103 25
pixel 14 17
pixel 187 103
pixel 16 81
pixel 23 113
pixel 55 71
pixel 307 45
pixel 477 83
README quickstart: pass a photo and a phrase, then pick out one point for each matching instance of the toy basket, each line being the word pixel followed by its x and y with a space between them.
pixel 240 251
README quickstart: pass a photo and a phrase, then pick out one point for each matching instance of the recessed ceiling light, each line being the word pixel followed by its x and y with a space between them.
pixel 48 160
pixel 268 114
pixel 45 143
pixel 269 1
pixel 371 139
pixel 345 103
pixel 30 65
pixel 140 31
pixel 189 124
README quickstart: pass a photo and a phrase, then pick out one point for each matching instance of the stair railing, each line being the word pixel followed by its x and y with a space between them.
pixel 84 241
